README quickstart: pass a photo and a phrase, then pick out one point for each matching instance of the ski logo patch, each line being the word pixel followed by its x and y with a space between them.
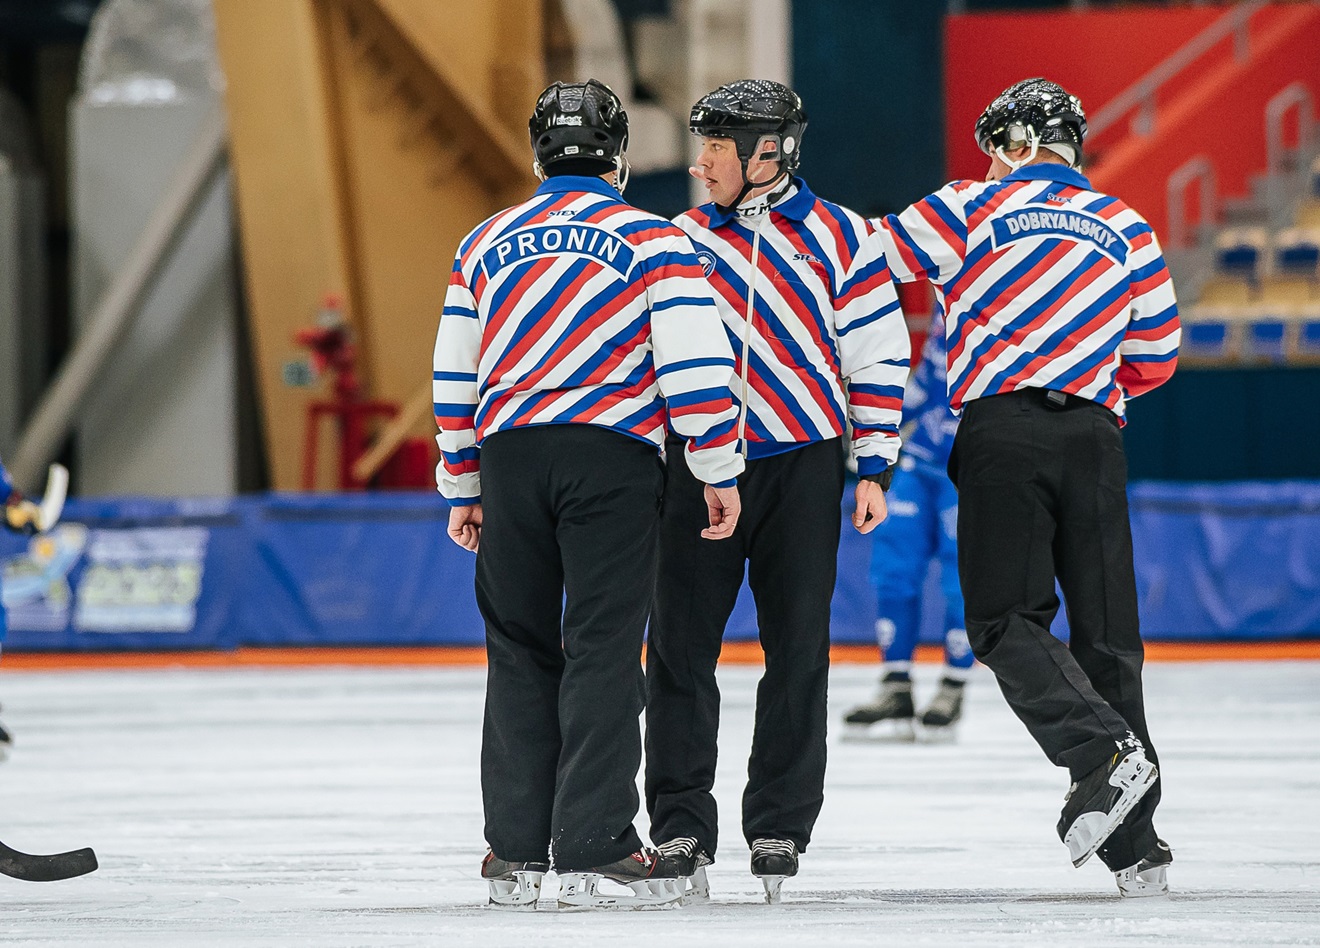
pixel 707 261
pixel 1018 225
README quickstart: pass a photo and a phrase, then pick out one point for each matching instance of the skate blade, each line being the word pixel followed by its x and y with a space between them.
pixel 939 734
pixel 892 731
pixel 520 892
pixel 698 888
pixel 773 885
pixel 1142 885
pixel 582 890
pixel 1088 832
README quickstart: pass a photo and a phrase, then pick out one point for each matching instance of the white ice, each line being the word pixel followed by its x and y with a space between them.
pixel 341 807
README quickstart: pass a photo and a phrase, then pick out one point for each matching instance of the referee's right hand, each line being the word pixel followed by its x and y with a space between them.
pixel 723 506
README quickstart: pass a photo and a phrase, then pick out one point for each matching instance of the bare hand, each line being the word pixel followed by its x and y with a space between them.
pixel 465 526
pixel 723 506
pixel 871 508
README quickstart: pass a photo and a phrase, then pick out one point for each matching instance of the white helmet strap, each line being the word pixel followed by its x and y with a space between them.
pixel 1033 141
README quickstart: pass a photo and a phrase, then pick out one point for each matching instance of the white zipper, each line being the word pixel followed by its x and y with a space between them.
pixel 747 331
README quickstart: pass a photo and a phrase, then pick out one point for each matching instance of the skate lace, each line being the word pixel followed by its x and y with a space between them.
pixel 685 846
pixel 774 847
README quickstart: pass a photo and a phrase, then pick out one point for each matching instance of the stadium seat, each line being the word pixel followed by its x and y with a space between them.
pixel 1266 335
pixel 1306 336
pixel 1297 252
pixel 1210 334
pixel 1240 251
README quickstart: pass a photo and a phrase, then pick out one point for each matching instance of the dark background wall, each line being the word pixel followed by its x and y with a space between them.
pixel 870 74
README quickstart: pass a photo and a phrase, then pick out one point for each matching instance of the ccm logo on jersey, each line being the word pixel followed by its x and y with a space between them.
pixel 579 239
pixel 1020 224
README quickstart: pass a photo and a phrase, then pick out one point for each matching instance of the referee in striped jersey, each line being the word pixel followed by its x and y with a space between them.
pixel 1059 309
pixel 576 331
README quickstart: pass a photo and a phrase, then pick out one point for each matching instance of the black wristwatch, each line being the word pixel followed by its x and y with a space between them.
pixel 884 478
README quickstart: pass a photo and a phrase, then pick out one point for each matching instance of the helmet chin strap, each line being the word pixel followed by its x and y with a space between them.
pixel 1031 155
pixel 538 170
pixel 622 171
pixel 748 187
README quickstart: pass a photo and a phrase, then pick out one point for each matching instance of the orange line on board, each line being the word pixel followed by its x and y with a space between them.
pixel 737 653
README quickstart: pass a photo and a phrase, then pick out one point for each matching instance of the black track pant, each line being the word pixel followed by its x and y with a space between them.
pixel 564 580
pixel 788 539
pixel 1042 494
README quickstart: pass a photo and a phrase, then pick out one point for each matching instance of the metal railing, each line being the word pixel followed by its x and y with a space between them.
pixel 1198 169
pixel 1141 94
pixel 1276 112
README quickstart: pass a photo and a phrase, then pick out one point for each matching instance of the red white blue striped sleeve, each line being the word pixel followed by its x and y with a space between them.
pixel 693 362
pixel 1149 350
pixel 454 393
pixel 875 351
pixel 928 240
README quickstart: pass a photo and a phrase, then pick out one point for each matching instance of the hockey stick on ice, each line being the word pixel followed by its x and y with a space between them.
pixel 52 504
pixel 50 868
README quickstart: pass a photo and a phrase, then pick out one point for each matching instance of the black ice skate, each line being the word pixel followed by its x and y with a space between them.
pixel 941 716
pixel 773 861
pixel 691 860
pixel 513 884
pixel 888 718
pixel 655 880
pixel 1148 877
pixel 1100 801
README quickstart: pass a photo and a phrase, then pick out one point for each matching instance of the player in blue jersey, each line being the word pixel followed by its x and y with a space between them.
pixel 921 527
pixel 21 516
pixel 1059 309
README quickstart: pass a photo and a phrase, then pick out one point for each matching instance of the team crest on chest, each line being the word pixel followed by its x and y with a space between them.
pixel 707 261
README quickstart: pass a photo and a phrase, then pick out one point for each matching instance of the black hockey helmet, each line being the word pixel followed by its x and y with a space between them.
pixel 1032 110
pixel 578 128
pixel 747 111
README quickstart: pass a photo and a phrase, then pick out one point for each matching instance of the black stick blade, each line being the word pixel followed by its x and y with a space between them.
pixel 50 868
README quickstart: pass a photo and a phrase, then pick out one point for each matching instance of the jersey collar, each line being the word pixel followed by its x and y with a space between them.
pixel 795 208
pixel 1049 171
pixel 562 183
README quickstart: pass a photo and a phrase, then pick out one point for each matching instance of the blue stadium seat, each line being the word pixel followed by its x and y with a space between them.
pixel 1297 252
pixel 1265 339
pixel 1307 346
pixel 1240 251
pixel 1208 336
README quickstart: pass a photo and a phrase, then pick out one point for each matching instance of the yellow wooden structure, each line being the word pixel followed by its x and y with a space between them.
pixel 367 137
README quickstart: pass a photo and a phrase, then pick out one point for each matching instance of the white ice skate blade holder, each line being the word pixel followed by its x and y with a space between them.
pixel 891 731
pixel 773 885
pixel 588 890
pixel 521 892
pixel 698 888
pixel 1134 775
pixel 1152 883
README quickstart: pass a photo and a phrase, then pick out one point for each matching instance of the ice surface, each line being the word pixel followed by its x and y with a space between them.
pixel 341 807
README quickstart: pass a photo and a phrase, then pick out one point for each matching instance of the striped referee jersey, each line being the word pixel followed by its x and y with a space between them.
pixel 1045 283
pixel 577 308
pixel 814 321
